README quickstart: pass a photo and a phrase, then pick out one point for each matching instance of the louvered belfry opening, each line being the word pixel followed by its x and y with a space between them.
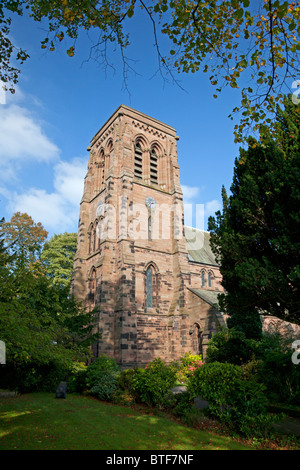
pixel 138 161
pixel 153 167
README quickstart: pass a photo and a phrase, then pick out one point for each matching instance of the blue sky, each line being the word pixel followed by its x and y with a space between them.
pixel 61 102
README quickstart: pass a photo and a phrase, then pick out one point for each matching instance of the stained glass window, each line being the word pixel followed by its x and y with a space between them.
pixel 203 278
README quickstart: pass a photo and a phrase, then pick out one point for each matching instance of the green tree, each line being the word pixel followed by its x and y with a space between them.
pixel 58 256
pixel 286 132
pixel 234 41
pixel 256 238
pixel 24 237
pixel 40 323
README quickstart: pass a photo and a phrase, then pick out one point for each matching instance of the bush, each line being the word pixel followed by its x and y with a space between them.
pixel 28 377
pixel 187 365
pixel 94 371
pixel 77 378
pixel 183 404
pixel 125 379
pixel 106 385
pixel 272 366
pixel 280 376
pixel 152 384
pixel 214 383
pixel 230 345
pixel 239 403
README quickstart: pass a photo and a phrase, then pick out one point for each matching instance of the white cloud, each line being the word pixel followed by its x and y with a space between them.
pixel 212 207
pixel 22 139
pixel 69 177
pixel 58 211
pixel 189 192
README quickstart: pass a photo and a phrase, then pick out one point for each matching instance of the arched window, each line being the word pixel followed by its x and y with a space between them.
pixel 203 278
pixel 153 167
pixel 149 287
pixel 92 289
pixel 138 161
pixel 209 279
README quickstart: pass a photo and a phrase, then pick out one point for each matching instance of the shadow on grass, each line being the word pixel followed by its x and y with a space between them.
pixel 40 421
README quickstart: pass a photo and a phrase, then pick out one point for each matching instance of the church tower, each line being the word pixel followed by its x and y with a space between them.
pixel 132 262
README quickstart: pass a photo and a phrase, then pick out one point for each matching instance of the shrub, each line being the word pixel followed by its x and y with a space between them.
pixel 230 345
pixel 214 383
pixel 77 378
pixel 187 365
pixel 280 376
pixel 183 404
pixel 236 402
pixel 29 377
pixel 125 379
pixel 102 364
pixel 106 385
pixel 151 384
pixel 267 361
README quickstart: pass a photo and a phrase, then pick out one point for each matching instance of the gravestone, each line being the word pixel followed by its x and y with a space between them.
pixel 61 391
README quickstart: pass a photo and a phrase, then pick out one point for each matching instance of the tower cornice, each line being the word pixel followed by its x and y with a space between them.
pixel 141 118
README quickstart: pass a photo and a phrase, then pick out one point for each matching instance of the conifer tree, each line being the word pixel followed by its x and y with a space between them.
pixel 256 238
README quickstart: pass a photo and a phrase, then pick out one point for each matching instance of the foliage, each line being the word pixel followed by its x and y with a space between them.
pixel 286 133
pixel 183 405
pixel 267 361
pixel 26 377
pixel 229 345
pixel 40 323
pixel 125 379
pixel 256 238
pixel 236 402
pixel 280 376
pixel 151 384
pixel 8 72
pixel 106 385
pixel 44 329
pixel 230 40
pixel 24 237
pixel 58 256
pixel 76 378
pixel 214 383
pixel 101 377
pixel 187 364
pixel 95 370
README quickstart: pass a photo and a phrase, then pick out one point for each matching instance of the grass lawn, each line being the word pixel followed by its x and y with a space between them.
pixel 39 421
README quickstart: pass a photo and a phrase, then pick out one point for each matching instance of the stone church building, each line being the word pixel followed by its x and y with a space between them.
pixel 152 281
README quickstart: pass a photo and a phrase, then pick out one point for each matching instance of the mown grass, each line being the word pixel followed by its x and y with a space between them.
pixel 39 421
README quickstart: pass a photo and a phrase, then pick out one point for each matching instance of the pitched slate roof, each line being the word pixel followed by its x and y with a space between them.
pixel 209 296
pixel 197 243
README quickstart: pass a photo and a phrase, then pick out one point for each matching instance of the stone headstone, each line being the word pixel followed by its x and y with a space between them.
pixel 61 391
